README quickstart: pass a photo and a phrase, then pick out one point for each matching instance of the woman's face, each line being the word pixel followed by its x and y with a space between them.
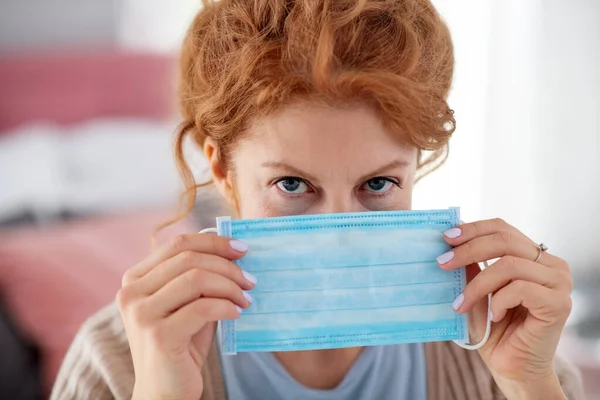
pixel 310 159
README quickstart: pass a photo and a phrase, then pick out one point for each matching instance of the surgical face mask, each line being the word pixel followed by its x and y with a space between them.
pixel 344 280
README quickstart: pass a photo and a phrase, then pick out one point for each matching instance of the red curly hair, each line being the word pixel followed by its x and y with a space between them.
pixel 243 59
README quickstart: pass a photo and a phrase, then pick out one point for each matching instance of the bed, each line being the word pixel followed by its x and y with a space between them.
pixel 86 175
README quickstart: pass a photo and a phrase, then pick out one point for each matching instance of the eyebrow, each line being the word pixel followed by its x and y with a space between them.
pixel 289 169
pixel 300 173
pixel 386 167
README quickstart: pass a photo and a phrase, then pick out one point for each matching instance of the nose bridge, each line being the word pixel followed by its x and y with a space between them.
pixel 341 201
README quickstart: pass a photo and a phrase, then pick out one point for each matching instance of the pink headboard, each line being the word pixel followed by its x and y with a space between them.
pixel 70 88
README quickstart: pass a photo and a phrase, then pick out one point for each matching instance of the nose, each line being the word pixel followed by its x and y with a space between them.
pixel 341 203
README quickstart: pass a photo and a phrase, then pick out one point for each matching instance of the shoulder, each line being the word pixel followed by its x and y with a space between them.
pixel 463 372
pixel 98 364
pixel 452 369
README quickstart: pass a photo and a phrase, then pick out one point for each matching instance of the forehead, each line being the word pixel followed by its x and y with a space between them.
pixel 305 134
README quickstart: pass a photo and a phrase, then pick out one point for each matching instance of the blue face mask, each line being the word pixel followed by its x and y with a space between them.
pixel 345 280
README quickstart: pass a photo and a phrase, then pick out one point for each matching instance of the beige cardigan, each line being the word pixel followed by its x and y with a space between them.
pixel 98 366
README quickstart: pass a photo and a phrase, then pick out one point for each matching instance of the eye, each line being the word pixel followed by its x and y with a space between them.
pixel 379 185
pixel 292 185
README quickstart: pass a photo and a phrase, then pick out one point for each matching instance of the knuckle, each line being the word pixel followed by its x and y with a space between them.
pixel 563 264
pixel 510 264
pixel 138 313
pixel 120 298
pixel 499 223
pixel 178 243
pixel 566 279
pixel 567 306
pixel 467 249
pixel 198 275
pixel 138 310
pixel 570 283
pixel 519 286
pixel 125 296
pixel 215 243
pixel 194 279
pixel 187 257
pixel 127 278
pixel 562 307
pixel 504 237
pixel 474 229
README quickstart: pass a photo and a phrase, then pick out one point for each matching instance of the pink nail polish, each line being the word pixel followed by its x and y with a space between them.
pixel 239 309
pixel 453 233
pixel 458 301
pixel 238 246
pixel 247 296
pixel 249 277
pixel 446 257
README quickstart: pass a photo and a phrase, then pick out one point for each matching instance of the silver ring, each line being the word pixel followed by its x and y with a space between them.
pixel 541 249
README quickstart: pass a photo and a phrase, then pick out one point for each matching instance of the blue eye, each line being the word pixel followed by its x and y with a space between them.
pixel 291 185
pixel 379 185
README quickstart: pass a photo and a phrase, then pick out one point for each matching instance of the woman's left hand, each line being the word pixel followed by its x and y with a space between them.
pixel 530 304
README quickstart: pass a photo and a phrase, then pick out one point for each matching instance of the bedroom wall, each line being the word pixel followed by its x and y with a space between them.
pixel 141 25
pixel 43 24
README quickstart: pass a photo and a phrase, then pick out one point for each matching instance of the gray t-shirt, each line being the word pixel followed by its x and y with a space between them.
pixel 394 372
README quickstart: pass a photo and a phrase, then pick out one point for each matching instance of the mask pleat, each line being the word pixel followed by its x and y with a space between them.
pixel 341 280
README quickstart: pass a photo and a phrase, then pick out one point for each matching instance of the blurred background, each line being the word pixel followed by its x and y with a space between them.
pixel 87 114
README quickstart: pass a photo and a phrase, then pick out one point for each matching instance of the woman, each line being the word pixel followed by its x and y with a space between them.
pixel 316 106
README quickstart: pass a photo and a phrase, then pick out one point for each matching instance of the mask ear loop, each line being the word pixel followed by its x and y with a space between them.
pixel 488 326
pixel 209 230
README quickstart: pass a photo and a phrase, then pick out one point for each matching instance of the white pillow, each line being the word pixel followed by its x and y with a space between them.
pixel 98 166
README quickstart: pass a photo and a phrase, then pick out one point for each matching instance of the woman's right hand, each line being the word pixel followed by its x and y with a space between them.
pixel 170 304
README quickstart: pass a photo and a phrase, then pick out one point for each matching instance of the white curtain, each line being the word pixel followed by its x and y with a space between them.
pixel 460 181
pixel 527 101
pixel 154 25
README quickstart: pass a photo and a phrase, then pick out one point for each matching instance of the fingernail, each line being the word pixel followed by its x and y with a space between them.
pixel 238 246
pixel 239 309
pixel 247 296
pixel 453 233
pixel 491 316
pixel 446 257
pixel 458 301
pixel 249 277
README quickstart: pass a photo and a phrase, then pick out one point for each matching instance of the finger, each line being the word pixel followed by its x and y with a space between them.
pixel 225 247
pixel 543 303
pixel 178 329
pixel 465 232
pixel 479 313
pixel 190 260
pixel 509 269
pixel 192 285
pixel 529 250
pixel 484 248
